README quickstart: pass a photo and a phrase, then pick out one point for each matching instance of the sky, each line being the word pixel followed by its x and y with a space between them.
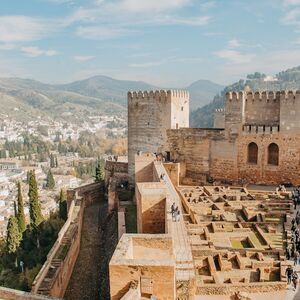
pixel 168 43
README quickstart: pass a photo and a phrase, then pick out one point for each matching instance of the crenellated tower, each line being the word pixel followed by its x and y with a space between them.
pixel 150 114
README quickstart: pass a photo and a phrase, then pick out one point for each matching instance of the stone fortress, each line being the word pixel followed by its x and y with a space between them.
pixel 229 240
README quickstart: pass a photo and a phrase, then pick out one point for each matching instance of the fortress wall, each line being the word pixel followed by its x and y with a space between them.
pixel 151 207
pixel 193 147
pixel 219 118
pixel 234 111
pixel 55 283
pixel 288 169
pixel 149 115
pixel 262 108
pixel 223 164
pixel 290 112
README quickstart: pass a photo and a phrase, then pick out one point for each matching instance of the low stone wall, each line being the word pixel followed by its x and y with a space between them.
pixel 118 170
pixel 229 289
pixel 9 294
pixel 55 274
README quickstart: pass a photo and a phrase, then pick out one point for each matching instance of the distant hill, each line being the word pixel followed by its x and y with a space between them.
pixel 285 80
pixel 25 99
pixel 106 88
pixel 202 92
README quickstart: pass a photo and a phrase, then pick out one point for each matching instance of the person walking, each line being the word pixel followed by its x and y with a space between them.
pixel 289 273
pixel 295 280
pixel 178 215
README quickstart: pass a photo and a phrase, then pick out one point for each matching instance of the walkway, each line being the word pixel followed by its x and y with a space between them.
pixel 85 280
pixel 181 244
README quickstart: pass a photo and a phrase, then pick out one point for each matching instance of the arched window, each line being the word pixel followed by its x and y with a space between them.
pixel 252 153
pixel 273 154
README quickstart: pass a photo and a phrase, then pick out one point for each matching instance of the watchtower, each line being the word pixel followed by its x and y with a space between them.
pixel 150 114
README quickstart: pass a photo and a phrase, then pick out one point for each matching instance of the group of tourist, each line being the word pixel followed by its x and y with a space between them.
pixel 292 277
pixel 293 250
pixel 175 212
pixel 296 197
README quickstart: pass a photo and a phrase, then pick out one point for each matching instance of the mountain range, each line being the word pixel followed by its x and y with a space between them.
pixel 25 99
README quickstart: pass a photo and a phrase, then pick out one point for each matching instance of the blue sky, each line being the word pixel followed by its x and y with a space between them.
pixel 170 43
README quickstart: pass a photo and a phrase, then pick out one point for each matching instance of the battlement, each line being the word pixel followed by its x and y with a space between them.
pixel 220 110
pixel 234 96
pixel 162 94
pixel 267 96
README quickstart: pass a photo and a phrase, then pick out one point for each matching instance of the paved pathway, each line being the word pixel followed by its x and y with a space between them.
pixel 182 248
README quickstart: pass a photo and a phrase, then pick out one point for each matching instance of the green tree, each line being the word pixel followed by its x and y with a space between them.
pixel 63 209
pixel 20 213
pixel 35 211
pixel 56 162
pixel 52 161
pixel 15 209
pixel 99 176
pixel 50 184
pixel 13 237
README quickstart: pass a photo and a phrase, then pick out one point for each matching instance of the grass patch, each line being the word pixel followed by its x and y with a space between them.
pixel 240 244
pixel 130 219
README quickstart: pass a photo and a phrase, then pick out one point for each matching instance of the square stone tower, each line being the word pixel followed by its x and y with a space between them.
pixel 150 114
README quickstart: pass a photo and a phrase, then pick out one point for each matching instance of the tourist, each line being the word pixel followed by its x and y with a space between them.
pixel 178 215
pixel 296 258
pixel 288 273
pixel 295 203
pixel 174 214
pixel 295 280
pixel 288 253
pixel 173 207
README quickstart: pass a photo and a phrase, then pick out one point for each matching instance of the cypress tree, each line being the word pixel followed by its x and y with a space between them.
pixel 21 214
pixel 56 162
pixel 52 161
pixel 15 209
pixel 99 176
pixel 36 216
pixel 50 180
pixel 13 237
pixel 63 209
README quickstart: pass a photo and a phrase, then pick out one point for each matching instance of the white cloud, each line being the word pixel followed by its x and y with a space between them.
pixel 291 2
pixel 234 43
pixel 234 56
pixel 150 6
pixel 35 52
pixel 146 64
pixel 20 29
pixel 102 33
pixel 292 17
pixel 192 21
pixel 83 58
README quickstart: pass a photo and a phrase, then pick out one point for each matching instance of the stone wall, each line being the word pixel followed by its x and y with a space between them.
pixel 146 260
pixel 116 169
pixel 212 153
pixel 9 294
pixel 55 274
pixel 151 207
pixel 219 118
pixel 149 115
